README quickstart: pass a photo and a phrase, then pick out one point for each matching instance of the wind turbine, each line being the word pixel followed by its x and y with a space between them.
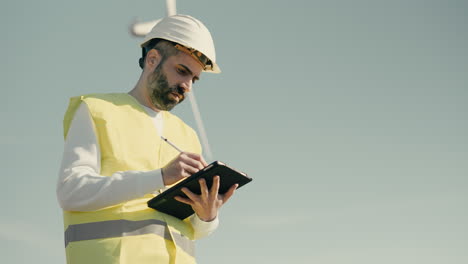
pixel 140 29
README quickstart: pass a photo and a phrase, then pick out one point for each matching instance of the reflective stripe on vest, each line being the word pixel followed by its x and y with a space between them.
pixel 122 228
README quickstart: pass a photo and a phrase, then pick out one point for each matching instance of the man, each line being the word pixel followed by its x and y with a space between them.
pixel 115 160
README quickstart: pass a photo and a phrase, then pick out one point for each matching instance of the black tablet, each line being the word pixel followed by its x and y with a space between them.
pixel 166 203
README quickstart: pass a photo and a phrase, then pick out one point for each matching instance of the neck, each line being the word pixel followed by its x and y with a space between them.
pixel 140 93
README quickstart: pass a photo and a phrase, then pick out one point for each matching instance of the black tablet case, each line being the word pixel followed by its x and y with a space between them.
pixel 166 203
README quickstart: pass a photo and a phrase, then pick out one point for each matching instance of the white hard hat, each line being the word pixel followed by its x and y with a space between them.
pixel 189 32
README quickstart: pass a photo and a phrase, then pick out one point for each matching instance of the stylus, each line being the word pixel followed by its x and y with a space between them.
pixel 172 144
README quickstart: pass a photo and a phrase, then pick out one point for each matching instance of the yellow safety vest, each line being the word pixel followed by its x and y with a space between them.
pixel 129 232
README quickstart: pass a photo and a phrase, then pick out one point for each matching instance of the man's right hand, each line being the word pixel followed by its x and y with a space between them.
pixel 181 167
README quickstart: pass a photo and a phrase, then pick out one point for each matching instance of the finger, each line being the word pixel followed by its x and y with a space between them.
pixel 187 159
pixel 189 169
pixel 193 155
pixel 203 187
pixel 190 194
pixel 215 187
pixel 203 162
pixel 195 163
pixel 229 193
pixel 184 200
pixel 197 157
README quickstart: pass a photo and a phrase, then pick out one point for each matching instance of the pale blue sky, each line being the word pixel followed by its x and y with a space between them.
pixel 351 116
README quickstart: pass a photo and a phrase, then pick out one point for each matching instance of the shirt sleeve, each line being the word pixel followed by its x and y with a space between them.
pixel 201 228
pixel 80 186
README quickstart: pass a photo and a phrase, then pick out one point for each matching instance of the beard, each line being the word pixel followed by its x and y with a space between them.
pixel 163 96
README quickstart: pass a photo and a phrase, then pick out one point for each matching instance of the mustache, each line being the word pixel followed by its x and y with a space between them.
pixel 178 90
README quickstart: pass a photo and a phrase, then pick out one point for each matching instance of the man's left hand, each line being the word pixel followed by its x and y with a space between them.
pixel 207 204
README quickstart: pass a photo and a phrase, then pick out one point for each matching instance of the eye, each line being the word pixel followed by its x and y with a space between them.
pixel 181 71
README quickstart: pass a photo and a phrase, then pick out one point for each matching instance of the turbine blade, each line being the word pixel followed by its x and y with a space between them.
pixel 140 29
pixel 171 7
pixel 201 128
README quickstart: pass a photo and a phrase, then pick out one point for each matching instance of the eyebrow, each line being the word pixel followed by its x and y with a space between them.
pixel 197 78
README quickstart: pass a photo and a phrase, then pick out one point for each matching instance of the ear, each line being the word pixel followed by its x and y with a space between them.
pixel 152 60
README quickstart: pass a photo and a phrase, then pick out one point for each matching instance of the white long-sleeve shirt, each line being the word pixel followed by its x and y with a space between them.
pixel 80 186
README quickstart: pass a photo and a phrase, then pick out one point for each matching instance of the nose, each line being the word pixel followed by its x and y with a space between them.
pixel 186 86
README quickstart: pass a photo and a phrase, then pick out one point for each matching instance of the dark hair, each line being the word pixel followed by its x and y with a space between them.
pixel 165 48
